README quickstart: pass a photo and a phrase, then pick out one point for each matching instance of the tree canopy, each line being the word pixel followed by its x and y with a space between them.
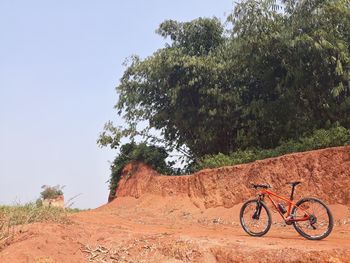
pixel 264 76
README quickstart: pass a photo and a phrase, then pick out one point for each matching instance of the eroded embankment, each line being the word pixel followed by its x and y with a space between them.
pixel 194 218
pixel 325 174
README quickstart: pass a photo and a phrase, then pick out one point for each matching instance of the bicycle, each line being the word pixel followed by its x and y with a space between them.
pixel 310 217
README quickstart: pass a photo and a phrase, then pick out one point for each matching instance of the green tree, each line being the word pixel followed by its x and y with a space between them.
pixel 277 75
pixel 50 192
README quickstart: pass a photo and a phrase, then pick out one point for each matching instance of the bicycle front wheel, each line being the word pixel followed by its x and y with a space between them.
pixel 320 223
pixel 255 218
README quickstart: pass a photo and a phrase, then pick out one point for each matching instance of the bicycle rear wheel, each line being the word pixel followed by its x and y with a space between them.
pixel 319 225
pixel 255 218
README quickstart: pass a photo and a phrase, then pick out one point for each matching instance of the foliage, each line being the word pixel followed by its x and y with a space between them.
pixel 30 213
pixel 196 38
pixel 13 217
pixel 337 136
pixel 151 155
pixel 275 76
pixel 50 192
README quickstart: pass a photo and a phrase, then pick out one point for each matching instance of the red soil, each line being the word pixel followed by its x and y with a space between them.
pixel 194 218
pixel 325 173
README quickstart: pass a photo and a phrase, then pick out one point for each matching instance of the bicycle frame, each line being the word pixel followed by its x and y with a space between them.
pixel 288 218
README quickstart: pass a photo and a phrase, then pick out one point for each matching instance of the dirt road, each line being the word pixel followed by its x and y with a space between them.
pixel 129 231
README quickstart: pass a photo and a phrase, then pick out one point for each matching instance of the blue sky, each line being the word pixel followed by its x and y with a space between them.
pixel 59 64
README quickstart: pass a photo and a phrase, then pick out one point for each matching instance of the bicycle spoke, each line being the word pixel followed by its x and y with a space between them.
pixel 254 225
pixel 319 221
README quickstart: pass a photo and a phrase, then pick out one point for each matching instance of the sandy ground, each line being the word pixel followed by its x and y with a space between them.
pixel 134 230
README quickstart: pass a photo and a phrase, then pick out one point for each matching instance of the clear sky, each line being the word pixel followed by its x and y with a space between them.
pixel 60 61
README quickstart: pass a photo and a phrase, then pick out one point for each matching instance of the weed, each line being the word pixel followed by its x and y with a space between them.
pixel 13 218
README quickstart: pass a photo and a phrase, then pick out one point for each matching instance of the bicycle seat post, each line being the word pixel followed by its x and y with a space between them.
pixel 292 194
pixel 294 184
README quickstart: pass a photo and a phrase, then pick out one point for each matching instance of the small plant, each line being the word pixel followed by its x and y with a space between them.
pixel 50 192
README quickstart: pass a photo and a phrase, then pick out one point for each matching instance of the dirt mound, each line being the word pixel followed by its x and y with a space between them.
pixel 324 173
pixel 194 218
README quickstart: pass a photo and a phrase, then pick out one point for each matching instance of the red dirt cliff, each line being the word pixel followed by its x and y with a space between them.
pixel 325 174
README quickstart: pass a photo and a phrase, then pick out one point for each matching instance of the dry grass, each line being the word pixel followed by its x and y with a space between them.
pixel 12 218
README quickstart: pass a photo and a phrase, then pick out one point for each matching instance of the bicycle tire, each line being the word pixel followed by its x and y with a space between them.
pixel 246 227
pixel 300 230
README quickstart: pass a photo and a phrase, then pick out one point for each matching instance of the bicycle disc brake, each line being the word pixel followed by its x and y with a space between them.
pixel 313 220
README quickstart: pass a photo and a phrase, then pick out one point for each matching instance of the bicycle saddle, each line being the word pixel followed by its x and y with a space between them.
pixel 256 186
pixel 294 183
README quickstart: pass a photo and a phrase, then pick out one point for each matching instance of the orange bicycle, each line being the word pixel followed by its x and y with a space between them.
pixel 310 217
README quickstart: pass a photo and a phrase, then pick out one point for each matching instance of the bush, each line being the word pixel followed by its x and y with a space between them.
pixel 337 136
pixel 151 155
pixel 51 192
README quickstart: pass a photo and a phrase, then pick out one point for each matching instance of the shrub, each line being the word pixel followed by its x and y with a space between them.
pixel 152 155
pixel 50 192
pixel 337 136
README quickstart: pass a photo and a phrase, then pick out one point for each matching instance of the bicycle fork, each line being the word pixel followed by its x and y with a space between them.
pixel 257 212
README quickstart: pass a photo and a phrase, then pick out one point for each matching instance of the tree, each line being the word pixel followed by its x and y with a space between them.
pixel 276 76
pixel 50 192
